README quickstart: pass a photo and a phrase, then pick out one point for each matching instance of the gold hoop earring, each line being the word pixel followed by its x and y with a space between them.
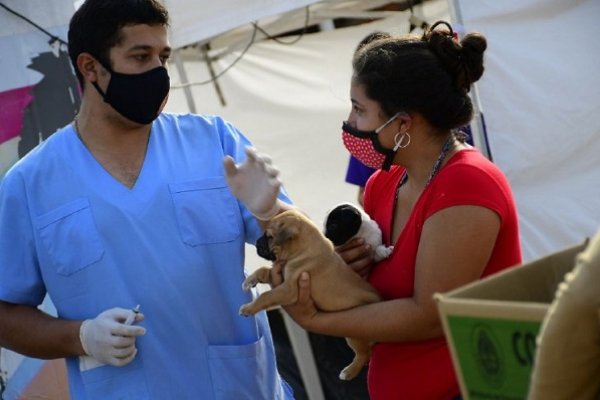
pixel 403 142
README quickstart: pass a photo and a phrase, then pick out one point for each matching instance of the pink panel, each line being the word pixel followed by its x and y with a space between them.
pixel 12 106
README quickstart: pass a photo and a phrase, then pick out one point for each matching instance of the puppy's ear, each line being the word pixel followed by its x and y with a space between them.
pixel 286 233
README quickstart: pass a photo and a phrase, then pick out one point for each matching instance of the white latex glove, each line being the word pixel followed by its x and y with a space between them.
pixel 109 338
pixel 255 183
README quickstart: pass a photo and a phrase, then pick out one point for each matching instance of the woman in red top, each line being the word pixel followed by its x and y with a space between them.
pixel 448 211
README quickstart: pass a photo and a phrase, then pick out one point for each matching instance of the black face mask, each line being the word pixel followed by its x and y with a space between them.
pixel 137 97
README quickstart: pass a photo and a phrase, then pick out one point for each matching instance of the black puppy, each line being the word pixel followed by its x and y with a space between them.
pixel 346 221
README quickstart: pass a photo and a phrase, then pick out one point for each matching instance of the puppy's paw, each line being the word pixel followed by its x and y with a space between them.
pixel 246 310
pixel 382 252
pixel 249 283
pixel 349 373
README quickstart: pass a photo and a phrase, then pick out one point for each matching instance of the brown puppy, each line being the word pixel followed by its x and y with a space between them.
pixel 294 239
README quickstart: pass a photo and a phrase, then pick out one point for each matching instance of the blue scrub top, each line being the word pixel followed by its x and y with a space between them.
pixel 174 243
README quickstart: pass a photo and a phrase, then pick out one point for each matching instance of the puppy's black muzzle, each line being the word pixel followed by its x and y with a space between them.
pixel 263 249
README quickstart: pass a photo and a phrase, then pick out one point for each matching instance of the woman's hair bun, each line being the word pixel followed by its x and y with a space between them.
pixel 473 46
pixel 463 60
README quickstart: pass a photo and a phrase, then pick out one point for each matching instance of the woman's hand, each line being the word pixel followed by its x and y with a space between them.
pixel 358 256
pixel 303 311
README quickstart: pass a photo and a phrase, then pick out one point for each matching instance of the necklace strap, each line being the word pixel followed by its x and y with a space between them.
pixel 436 166
pixel 438 163
pixel 76 128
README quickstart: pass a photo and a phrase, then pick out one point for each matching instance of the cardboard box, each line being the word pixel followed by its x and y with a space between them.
pixel 492 324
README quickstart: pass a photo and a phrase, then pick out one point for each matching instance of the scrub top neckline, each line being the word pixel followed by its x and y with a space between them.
pixel 96 175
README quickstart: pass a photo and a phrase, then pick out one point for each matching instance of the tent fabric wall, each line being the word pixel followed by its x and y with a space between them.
pixel 193 21
pixel 540 96
pixel 47 13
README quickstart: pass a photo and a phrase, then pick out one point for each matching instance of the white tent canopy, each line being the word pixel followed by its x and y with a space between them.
pixel 194 21
pixel 540 96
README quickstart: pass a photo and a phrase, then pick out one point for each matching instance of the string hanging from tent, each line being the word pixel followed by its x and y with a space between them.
pixel 296 39
pixel 256 29
pixel 209 60
pixel 53 38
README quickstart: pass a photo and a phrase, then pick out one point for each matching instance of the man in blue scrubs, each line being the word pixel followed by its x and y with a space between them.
pixel 129 206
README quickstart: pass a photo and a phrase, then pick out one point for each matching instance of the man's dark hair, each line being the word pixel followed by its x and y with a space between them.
pixel 96 26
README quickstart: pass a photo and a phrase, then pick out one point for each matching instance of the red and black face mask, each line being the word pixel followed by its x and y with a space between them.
pixel 366 148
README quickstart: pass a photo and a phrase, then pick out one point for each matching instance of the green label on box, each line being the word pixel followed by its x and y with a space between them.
pixel 495 355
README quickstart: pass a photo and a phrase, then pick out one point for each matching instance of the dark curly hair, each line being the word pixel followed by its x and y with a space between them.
pixel 431 75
